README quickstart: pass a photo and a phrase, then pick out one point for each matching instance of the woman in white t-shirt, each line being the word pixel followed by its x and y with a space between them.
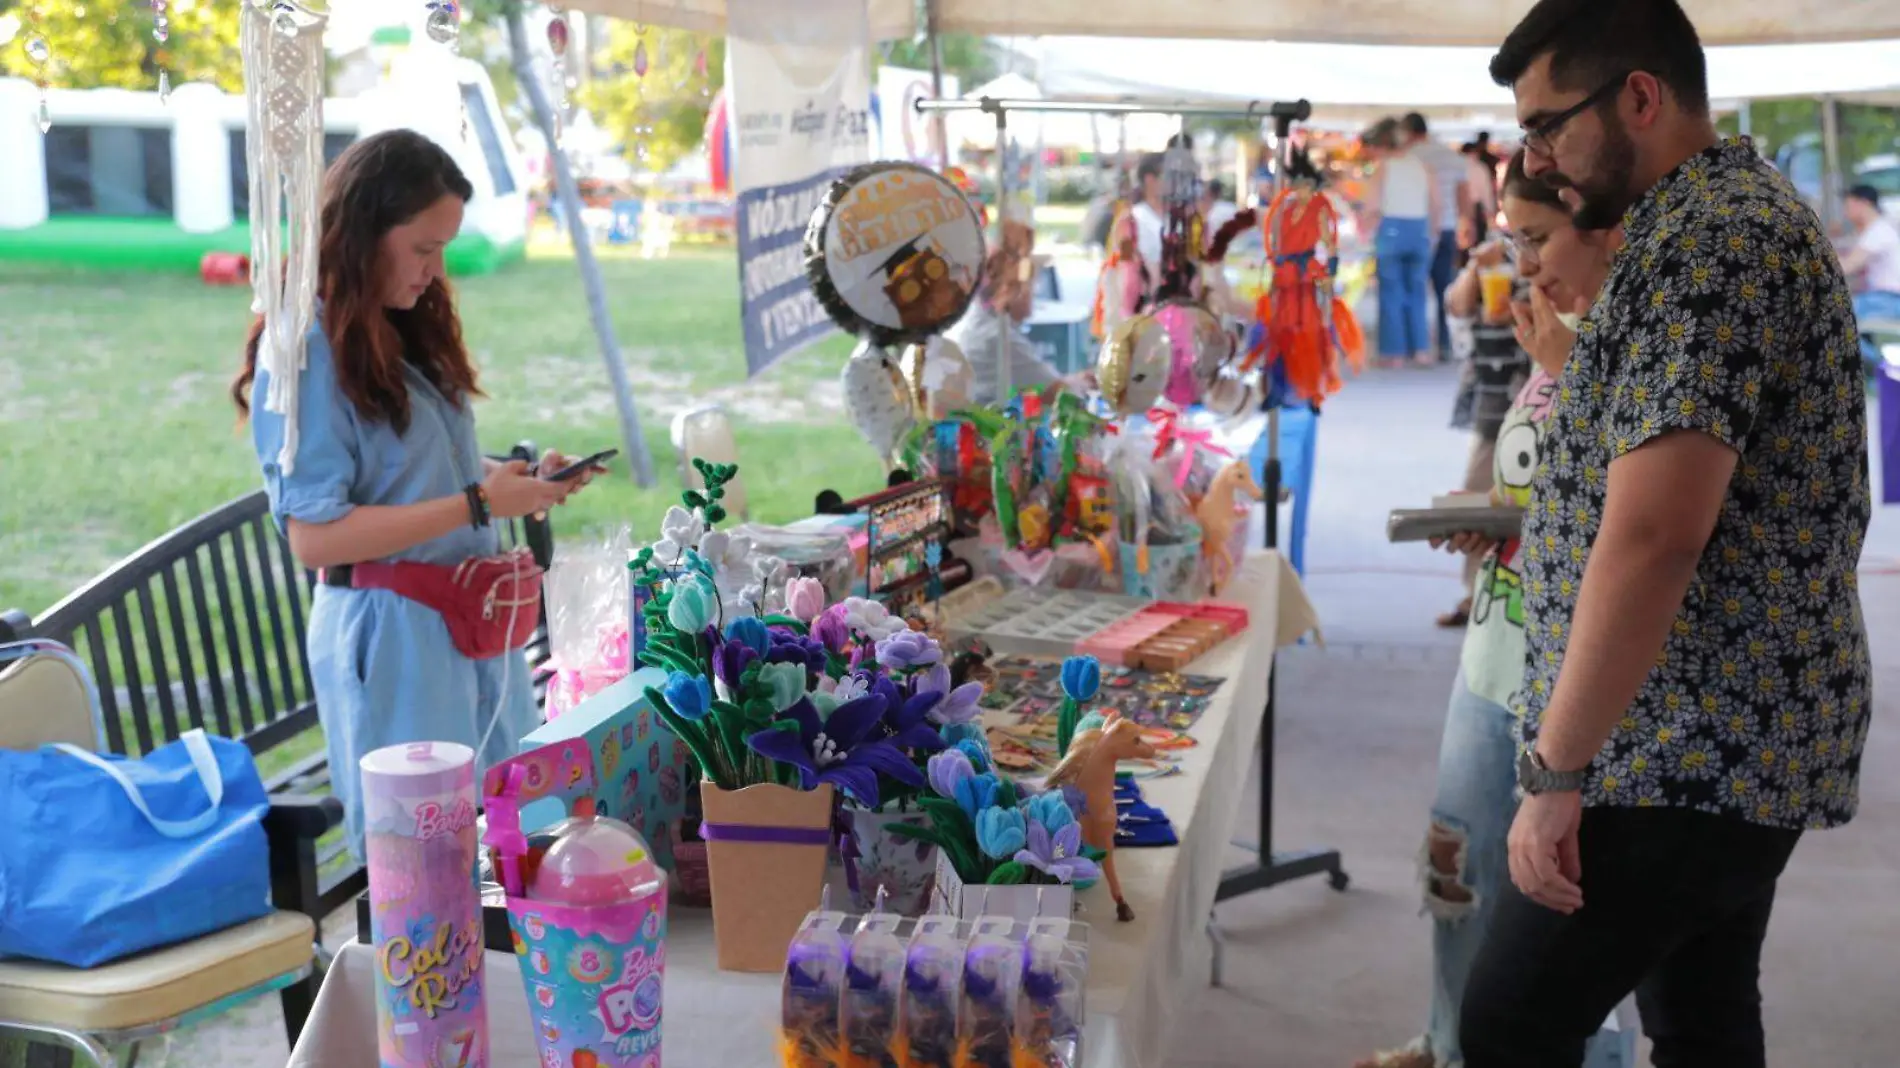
pixel 1875 259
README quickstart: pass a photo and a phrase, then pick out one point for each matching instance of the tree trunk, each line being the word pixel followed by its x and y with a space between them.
pixel 631 439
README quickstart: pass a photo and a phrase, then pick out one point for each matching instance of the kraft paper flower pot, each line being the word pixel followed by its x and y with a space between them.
pixel 766 847
pixel 951 896
pixel 904 867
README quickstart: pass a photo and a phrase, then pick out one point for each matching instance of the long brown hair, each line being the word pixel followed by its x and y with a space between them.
pixel 376 185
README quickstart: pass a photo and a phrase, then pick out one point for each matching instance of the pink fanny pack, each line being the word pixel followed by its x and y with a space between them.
pixel 491 604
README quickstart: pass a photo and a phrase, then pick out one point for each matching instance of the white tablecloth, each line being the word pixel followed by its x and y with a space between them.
pixel 1140 973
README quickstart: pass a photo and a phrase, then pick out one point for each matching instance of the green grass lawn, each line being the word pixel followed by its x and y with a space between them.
pixel 119 427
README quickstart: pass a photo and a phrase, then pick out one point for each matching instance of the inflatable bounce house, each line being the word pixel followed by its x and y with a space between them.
pixel 125 179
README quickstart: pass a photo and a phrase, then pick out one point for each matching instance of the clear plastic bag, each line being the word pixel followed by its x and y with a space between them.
pixel 1160 539
pixel 586 595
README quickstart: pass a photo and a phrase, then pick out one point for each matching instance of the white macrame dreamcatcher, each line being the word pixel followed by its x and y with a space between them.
pixel 282 45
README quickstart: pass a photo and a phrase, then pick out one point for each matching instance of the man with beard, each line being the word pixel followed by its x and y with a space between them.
pixel 1696 692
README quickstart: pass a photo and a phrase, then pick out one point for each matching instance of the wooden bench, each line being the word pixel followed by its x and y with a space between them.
pixel 205 628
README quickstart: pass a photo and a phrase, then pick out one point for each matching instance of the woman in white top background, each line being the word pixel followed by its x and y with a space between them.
pixel 1872 262
pixel 1401 205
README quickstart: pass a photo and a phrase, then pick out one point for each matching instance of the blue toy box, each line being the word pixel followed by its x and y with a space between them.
pixel 641 766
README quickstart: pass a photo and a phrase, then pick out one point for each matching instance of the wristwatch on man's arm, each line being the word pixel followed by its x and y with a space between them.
pixel 1535 777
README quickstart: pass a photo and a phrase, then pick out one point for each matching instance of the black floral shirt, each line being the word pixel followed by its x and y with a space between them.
pixel 1726 313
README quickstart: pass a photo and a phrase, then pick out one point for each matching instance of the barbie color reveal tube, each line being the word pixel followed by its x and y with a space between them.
pixel 425 910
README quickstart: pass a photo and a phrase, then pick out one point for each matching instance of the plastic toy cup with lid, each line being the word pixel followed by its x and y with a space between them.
pixel 588 915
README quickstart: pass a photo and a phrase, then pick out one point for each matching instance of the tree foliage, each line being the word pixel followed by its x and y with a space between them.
pixel 664 111
pixel 109 43
pixel 972 59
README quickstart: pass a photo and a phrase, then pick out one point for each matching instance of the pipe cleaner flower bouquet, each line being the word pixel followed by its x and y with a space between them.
pixel 781 712
pixel 988 831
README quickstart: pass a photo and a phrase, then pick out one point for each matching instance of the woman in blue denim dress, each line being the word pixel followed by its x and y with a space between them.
pixel 375 460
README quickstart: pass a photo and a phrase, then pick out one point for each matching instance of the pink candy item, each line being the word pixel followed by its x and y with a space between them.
pixel 598 861
pixel 1113 643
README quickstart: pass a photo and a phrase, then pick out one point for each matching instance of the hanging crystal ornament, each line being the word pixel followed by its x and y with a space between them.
pixel 38 53
pixel 283 19
pixel 699 71
pixel 444 24
pixel 558 35
pixel 162 32
pixel 640 50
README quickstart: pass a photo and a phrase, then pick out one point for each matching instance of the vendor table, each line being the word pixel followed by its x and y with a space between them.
pixel 1140 973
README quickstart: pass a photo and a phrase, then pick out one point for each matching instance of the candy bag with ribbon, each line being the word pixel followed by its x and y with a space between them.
pixel 1191 454
pixel 589 646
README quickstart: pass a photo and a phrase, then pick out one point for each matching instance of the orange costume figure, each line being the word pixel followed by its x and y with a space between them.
pixel 1303 326
pixel 1121 289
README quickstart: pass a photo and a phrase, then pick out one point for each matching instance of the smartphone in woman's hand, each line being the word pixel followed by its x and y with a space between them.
pixel 574 469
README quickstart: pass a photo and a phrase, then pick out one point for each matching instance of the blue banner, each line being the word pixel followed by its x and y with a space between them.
pixel 799 94
pixel 776 304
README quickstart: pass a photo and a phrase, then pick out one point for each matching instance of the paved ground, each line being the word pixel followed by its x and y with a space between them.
pixel 1317 978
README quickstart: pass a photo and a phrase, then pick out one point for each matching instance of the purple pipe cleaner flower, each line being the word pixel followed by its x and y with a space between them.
pixel 959 705
pixel 906 722
pixel 842 750
pixel 936 677
pixel 1057 855
pixel 908 649
pixel 947 770
pixel 830 630
pixel 730 659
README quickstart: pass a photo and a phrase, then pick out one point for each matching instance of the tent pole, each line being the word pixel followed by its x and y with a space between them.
pixel 936 83
pixel 569 196
pixel 1256 109
pixel 1270 869
pixel 1830 162
pixel 1003 377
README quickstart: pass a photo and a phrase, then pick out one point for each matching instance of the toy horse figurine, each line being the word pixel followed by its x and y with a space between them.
pixel 1218 512
pixel 1090 768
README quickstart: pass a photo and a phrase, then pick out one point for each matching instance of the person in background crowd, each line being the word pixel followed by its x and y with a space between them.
pixel 1216 209
pixel 1697 690
pixel 1480 205
pixel 1875 258
pixel 1403 210
pixel 1150 211
pixel 1099 220
pixel 1471 813
pixel 992 327
pixel 1449 175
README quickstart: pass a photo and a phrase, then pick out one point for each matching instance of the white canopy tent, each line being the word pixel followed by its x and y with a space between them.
pixel 1355 80
pixel 1391 22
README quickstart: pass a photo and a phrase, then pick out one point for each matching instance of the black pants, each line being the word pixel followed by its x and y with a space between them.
pixel 1676 904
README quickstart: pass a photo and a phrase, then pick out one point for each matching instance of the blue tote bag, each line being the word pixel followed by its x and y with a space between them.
pixel 102 857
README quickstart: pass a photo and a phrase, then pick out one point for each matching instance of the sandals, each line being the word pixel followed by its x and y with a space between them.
pixel 1457 617
pixel 1412 1056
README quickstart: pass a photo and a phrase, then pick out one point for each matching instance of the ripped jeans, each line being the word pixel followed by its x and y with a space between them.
pixel 1465 861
